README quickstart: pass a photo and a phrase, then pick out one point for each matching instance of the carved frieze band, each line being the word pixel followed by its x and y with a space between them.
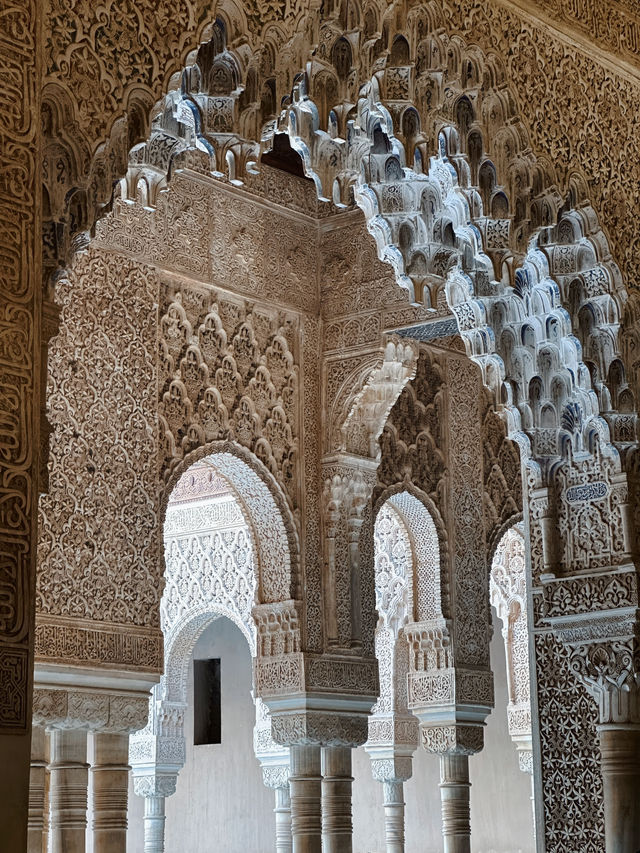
pixel 295 673
pixel 20 181
pixel 123 646
pixel 591 593
pixel 611 26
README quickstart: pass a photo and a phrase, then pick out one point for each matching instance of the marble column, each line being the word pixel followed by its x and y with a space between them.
pixel 454 796
pixel 275 775
pixel 154 821
pixel 284 841
pixel 306 791
pixel 391 765
pixel 337 825
pixel 68 782
pixel 525 762
pixel 620 763
pixel 37 791
pixel 155 788
pixel 110 787
pixel 394 816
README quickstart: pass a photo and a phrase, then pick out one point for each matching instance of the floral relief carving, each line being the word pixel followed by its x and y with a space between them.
pixel 116 370
pixel 211 396
pixel 502 478
pixel 412 442
pixel 98 523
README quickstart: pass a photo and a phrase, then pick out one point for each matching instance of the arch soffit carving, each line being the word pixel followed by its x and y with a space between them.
pixel 367 395
pixel 180 643
pixel 414 507
pixel 499 532
pixel 272 526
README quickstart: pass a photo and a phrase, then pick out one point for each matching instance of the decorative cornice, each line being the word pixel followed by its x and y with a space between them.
pixel 68 641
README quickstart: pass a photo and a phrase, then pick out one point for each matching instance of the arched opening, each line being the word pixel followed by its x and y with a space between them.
pixel 510 664
pixel 206 721
pixel 407 584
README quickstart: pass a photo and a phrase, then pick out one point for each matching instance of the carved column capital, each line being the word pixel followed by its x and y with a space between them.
pixel 396 768
pixel 610 671
pixel 393 734
pixel 155 784
pixel 525 761
pixel 450 702
pixel 96 711
pixel 313 727
pixel 333 495
pixel 453 739
pixel 275 775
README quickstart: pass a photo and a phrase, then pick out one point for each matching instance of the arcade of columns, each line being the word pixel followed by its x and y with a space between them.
pixel 469 363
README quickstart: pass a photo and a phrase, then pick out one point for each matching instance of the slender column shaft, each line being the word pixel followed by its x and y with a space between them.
pixel 37 786
pixel 533 810
pixel 454 796
pixel 284 841
pixel 337 826
pixel 47 795
pixel 620 751
pixel 306 789
pixel 68 781
pixel 110 789
pixel 154 820
pixel 394 816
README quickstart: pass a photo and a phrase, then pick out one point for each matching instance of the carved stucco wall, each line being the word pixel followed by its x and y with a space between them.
pixel 209 558
pixel 183 364
pixel 561 124
pixel 432 441
pixel 595 130
pixel 99 560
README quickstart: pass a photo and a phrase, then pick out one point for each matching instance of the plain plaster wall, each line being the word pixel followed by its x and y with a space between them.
pixel 221 804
